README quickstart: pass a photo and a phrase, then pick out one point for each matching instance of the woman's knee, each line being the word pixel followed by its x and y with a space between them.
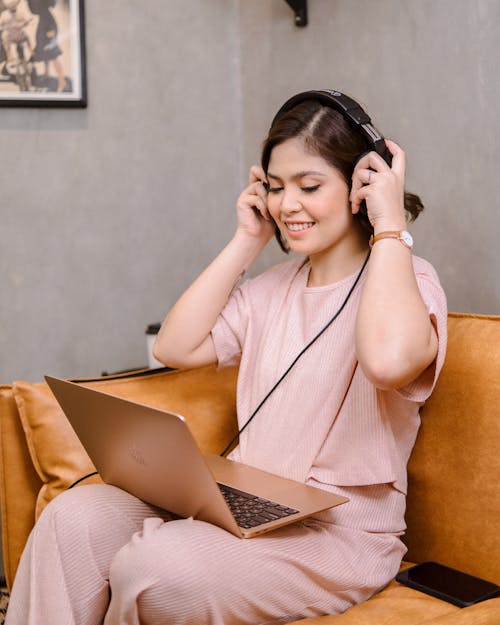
pixel 160 551
pixel 68 504
pixel 76 506
pixel 95 516
pixel 163 565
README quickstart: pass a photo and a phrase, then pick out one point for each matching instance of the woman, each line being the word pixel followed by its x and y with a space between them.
pixel 349 343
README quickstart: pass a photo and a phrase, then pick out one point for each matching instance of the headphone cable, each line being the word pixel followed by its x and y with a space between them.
pixel 236 436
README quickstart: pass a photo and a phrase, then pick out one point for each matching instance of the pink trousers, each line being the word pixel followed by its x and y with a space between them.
pixel 98 555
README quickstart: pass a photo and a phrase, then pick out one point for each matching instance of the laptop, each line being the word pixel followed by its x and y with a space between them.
pixel 152 454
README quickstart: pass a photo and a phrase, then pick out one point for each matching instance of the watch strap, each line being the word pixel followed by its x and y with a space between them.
pixel 389 234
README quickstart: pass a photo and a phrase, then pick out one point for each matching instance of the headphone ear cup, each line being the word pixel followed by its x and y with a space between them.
pixel 385 154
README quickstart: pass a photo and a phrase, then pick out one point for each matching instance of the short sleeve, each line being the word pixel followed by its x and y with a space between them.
pixel 435 300
pixel 240 324
pixel 228 333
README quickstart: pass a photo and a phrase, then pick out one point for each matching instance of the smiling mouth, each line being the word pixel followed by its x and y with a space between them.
pixel 296 227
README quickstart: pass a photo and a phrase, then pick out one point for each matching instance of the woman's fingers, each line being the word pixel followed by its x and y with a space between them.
pixel 362 177
pixel 256 174
pixel 381 186
pixel 398 158
pixel 256 192
pixel 372 160
pixel 254 197
pixel 256 202
pixel 364 174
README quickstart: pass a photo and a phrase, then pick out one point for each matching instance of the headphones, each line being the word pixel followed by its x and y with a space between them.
pixel 350 109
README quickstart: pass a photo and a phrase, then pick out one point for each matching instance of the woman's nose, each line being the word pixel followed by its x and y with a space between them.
pixel 290 202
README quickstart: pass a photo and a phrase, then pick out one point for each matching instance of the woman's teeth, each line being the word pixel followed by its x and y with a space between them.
pixel 296 227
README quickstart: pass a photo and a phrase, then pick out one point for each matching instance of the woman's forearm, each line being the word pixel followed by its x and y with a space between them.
pixel 184 339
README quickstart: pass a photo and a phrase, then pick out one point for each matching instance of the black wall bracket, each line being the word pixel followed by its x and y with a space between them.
pixel 300 10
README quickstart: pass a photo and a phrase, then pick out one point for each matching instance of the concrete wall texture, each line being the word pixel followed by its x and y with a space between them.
pixel 108 213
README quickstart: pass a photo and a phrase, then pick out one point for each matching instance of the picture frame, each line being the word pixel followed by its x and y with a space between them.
pixel 42 53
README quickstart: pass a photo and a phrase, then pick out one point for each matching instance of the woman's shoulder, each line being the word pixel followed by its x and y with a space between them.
pixel 423 268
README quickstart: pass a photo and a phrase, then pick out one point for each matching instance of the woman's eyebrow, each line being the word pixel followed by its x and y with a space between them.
pixel 298 175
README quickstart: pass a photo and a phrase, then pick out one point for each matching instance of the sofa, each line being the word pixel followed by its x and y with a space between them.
pixel 453 509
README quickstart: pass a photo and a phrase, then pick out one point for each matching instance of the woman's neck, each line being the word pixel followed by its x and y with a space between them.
pixel 338 262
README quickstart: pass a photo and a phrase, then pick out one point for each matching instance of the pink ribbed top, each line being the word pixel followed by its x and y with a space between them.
pixel 325 423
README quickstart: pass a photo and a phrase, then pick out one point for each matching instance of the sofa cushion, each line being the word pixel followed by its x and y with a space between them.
pixel 209 411
pixel 453 506
pixel 394 605
pixel 19 484
pixel 56 453
pixel 397 605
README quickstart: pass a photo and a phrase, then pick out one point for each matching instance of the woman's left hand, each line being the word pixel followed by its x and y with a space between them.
pixel 382 187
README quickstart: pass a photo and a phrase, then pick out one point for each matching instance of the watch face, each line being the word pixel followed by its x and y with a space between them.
pixel 406 237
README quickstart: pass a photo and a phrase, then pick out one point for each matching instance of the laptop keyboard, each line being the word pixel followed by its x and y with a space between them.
pixel 250 510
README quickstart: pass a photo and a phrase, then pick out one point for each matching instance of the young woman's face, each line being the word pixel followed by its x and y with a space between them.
pixel 308 199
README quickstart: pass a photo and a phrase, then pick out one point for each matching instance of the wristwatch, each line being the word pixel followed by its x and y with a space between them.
pixel 401 235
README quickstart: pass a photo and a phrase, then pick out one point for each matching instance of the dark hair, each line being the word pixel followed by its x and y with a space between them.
pixel 327 133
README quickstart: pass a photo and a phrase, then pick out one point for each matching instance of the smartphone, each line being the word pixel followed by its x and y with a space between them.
pixel 448 584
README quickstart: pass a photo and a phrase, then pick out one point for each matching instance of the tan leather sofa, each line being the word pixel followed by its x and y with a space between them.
pixel 453 513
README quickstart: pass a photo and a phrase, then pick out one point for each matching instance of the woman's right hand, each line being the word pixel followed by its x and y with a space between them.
pixel 185 339
pixel 254 219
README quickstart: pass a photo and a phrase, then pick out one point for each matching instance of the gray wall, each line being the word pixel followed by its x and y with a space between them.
pixel 109 212
pixel 427 72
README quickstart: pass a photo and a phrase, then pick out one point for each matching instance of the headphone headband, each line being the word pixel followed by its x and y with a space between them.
pixel 349 108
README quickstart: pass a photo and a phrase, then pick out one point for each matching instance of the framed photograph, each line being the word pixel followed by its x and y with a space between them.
pixel 42 53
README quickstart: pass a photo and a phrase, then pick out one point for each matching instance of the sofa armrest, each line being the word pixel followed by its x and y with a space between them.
pixel 453 503
pixel 19 484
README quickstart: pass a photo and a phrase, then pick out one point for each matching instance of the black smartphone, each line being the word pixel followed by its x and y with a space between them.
pixel 448 584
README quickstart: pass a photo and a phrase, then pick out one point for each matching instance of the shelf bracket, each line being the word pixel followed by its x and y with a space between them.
pixel 299 8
